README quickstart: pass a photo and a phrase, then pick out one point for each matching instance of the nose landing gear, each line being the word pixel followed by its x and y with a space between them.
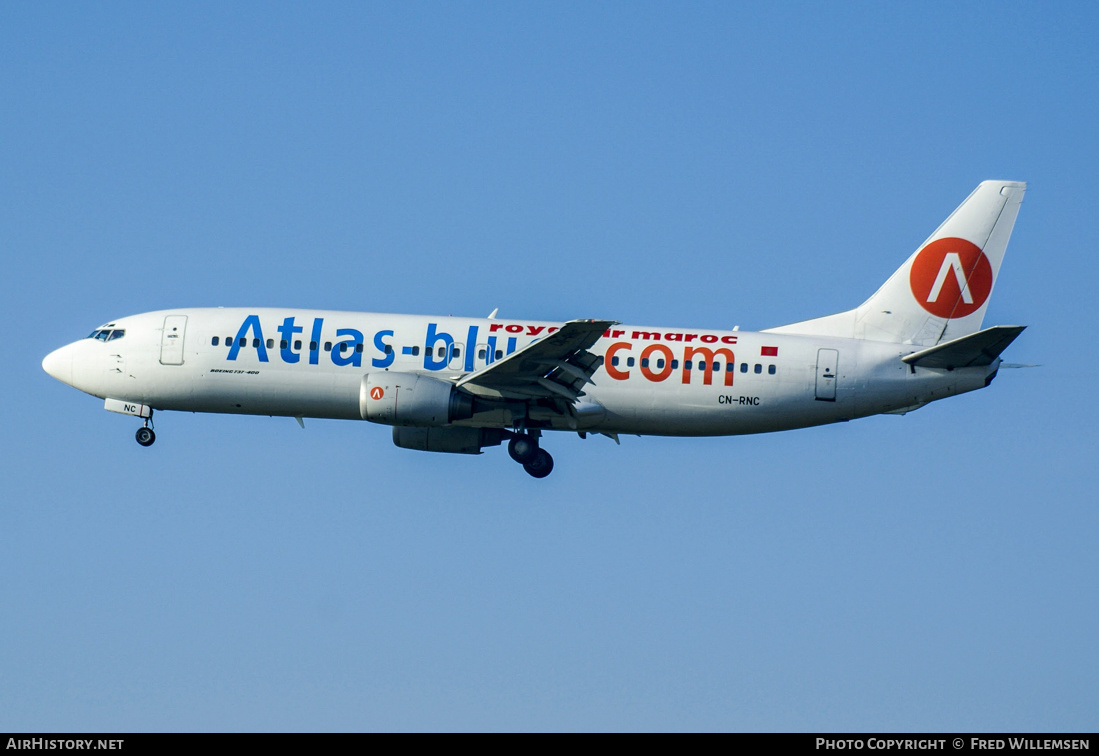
pixel 524 449
pixel 145 435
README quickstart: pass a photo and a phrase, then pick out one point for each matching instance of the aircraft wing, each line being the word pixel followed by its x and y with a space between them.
pixel 553 367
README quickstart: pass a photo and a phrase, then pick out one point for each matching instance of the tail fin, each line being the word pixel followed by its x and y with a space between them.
pixel 942 291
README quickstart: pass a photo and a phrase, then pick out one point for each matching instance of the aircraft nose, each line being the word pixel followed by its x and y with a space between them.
pixel 59 364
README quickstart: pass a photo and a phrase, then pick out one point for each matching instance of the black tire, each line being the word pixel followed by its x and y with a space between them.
pixel 145 436
pixel 541 465
pixel 523 448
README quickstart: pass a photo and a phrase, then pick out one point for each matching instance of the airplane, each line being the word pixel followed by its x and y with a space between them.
pixel 460 385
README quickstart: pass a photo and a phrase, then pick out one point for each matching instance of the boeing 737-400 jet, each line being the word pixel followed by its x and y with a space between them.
pixel 458 385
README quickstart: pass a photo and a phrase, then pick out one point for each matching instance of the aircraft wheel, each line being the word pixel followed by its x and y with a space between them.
pixel 523 448
pixel 541 465
pixel 145 436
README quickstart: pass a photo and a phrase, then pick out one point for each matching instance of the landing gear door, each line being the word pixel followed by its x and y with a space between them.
pixel 827 365
pixel 171 341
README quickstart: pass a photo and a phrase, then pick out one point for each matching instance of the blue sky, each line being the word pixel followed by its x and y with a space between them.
pixel 702 164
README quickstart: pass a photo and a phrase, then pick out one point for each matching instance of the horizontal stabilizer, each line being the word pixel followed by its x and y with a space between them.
pixel 975 350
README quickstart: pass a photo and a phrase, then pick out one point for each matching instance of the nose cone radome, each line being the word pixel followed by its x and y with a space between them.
pixel 59 364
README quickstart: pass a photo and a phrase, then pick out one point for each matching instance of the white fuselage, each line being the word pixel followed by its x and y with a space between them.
pixel 260 361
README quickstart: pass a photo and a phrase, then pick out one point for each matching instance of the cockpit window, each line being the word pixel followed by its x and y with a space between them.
pixel 107 334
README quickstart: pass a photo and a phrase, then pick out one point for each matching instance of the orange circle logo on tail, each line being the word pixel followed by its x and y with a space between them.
pixel 376 392
pixel 951 278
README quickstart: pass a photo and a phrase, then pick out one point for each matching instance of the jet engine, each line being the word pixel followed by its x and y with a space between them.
pixel 410 399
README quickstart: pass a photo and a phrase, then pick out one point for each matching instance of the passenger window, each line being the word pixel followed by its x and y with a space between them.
pixel 644 362
pixel 359 348
pixel 614 361
pixel 312 346
pixel 686 364
pixel 255 343
pixel 228 341
pixel 702 364
pixel 388 349
pixel 243 341
pixel 759 369
pixel 729 367
pixel 441 351
pixel 629 362
pixel 328 346
pixel 215 341
pixel 415 351
pixel 297 345
pixel 343 347
pixel 282 344
pixel 481 356
pixel 675 364
pixel 270 343
pixel 457 352
pixel 744 367
pixel 660 364
pixel 770 369
pixel 499 354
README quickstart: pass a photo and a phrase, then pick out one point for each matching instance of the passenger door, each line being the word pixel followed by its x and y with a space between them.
pixel 171 340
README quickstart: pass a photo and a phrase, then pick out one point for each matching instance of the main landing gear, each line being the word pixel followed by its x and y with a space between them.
pixel 145 435
pixel 524 449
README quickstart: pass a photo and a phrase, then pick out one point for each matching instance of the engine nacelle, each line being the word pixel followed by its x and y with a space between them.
pixel 455 440
pixel 411 399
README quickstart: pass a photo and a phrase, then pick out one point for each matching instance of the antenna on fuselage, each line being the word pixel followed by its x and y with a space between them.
pixel 492 315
